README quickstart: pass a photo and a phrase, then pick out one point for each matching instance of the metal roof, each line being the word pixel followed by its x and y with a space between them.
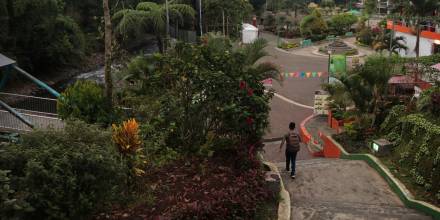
pixel 5 61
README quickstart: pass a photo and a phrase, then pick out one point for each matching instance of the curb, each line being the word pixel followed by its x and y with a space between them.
pixel 398 187
pixel 289 52
pixel 316 52
pixel 307 137
pixel 284 205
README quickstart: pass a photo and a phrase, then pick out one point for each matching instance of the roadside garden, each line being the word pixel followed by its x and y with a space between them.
pixel 296 19
pixel 370 108
pixel 180 142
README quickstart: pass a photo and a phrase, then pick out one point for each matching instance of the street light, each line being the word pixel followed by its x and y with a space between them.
pixel 329 61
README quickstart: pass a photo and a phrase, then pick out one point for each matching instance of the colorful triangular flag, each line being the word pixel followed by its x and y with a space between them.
pixel 314 74
pixel 308 74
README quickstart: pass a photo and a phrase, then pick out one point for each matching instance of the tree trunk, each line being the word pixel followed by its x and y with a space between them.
pixel 223 17
pixel 160 43
pixel 108 53
pixel 417 49
pixel 296 11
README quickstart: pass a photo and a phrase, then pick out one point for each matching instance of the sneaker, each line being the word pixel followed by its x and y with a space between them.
pixel 287 170
pixel 293 176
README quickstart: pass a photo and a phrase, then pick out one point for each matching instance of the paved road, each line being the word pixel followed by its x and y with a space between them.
pixel 296 89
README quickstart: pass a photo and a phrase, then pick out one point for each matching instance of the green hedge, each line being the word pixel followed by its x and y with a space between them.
pixel 68 174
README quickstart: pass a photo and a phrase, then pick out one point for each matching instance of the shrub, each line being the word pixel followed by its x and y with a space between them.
pixel 207 189
pixel 11 205
pixel 287 45
pixel 84 100
pixel 126 137
pixel 365 36
pixel 67 174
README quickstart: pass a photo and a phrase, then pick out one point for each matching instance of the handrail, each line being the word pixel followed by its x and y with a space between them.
pixel 37 81
pixel 16 114
pixel 27 96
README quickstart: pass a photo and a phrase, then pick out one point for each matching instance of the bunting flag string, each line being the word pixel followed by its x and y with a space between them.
pixel 303 74
pixel 297 75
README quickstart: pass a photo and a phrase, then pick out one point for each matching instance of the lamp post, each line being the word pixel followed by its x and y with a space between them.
pixel 329 61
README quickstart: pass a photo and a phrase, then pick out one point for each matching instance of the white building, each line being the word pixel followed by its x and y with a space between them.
pixel 249 33
pixel 429 39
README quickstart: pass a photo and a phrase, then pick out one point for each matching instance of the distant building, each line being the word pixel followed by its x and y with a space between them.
pixel 429 38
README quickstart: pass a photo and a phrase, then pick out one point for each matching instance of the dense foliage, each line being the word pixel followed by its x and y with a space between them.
pixel 417 150
pixel 85 100
pixel 67 174
pixel 206 96
pixel 342 23
pixel 365 87
pixel 313 26
pixel 225 16
pixel 39 35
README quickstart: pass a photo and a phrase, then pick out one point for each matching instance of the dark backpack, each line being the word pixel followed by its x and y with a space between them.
pixel 292 142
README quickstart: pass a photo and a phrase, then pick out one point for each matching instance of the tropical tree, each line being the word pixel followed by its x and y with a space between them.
pixel 365 87
pixel 295 5
pixel 382 42
pixel 252 53
pixel 151 17
pixel 343 22
pixel 313 26
pixel 227 13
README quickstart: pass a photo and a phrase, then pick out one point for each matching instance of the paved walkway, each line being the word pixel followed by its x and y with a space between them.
pixel 343 190
pixel 324 188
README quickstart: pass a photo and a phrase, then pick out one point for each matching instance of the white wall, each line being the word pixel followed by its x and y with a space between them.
pixel 425 45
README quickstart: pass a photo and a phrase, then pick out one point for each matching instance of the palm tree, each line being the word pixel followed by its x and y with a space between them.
pixel 150 16
pixel 365 86
pixel 252 53
pixel 382 42
pixel 108 53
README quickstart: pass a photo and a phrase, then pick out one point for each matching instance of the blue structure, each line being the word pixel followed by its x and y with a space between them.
pixel 7 67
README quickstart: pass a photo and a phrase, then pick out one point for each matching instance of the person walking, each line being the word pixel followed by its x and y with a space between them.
pixel 292 140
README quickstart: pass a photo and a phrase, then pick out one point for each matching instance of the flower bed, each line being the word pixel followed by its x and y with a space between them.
pixel 288 45
pixel 204 189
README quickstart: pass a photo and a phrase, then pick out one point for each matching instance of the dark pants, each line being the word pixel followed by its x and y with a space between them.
pixel 291 158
